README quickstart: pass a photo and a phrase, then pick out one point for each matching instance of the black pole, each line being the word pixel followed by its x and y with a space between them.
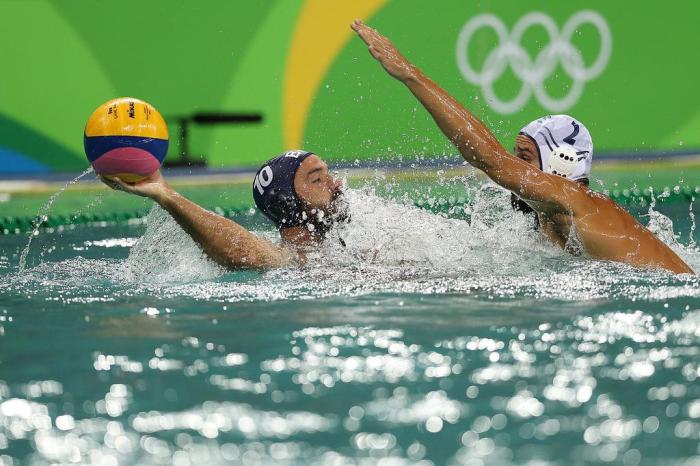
pixel 205 119
pixel 216 118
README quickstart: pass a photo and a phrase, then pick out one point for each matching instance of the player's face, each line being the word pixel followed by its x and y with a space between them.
pixel 316 186
pixel 526 150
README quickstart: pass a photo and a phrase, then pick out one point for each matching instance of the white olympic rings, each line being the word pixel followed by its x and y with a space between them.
pixel 533 73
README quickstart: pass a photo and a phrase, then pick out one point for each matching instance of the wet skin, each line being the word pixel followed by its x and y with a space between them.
pixel 319 190
pixel 228 243
pixel 604 230
pixel 315 185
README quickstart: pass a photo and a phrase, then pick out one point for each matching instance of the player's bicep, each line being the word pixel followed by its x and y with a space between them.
pixel 264 254
pixel 241 249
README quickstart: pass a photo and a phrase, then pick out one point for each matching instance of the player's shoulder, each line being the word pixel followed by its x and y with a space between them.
pixel 599 201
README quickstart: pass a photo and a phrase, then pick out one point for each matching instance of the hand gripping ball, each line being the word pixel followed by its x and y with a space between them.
pixel 127 138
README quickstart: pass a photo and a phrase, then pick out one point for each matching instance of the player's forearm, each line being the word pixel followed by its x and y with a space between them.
pixel 473 139
pixel 223 240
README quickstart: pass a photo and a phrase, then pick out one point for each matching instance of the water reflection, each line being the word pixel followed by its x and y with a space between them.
pixel 458 358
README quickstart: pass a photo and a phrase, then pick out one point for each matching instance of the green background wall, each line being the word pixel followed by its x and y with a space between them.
pixel 62 58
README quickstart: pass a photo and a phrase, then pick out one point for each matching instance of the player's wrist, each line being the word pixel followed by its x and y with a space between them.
pixel 163 195
pixel 411 75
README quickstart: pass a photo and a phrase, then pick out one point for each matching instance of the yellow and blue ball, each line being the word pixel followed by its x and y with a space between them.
pixel 126 138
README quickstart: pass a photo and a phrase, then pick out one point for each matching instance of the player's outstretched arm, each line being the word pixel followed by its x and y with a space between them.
pixel 473 139
pixel 223 240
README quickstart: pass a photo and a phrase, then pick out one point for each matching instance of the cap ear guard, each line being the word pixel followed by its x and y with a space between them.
pixel 562 161
pixel 283 208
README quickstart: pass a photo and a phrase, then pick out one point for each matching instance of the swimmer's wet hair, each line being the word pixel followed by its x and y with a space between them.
pixel 273 189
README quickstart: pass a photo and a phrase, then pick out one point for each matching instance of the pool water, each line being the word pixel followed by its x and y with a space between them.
pixel 426 340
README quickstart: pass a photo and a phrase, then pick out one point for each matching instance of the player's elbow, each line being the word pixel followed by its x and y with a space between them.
pixel 255 260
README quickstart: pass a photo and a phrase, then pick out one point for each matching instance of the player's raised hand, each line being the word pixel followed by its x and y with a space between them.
pixel 152 186
pixel 384 51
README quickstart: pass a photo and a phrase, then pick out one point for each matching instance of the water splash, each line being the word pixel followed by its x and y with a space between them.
pixel 41 217
pixel 426 340
pixel 392 233
pixel 663 227
pixel 166 254
pixel 390 247
pixel 691 233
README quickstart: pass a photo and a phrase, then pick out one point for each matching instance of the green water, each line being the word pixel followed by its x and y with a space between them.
pixel 427 340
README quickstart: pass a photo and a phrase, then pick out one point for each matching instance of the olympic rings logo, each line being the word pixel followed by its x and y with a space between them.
pixel 533 73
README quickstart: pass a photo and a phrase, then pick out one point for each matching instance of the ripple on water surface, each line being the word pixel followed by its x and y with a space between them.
pixel 415 344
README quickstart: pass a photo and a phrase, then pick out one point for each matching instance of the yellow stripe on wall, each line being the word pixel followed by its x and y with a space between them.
pixel 322 30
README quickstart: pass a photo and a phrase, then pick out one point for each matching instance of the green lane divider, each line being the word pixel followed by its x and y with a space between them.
pixel 632 197
pixel 451 205
pixel 17 225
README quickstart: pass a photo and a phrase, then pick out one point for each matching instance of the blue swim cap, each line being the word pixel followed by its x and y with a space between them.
pixel 273 189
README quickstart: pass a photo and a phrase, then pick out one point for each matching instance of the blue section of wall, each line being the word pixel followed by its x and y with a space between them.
pixel 12 162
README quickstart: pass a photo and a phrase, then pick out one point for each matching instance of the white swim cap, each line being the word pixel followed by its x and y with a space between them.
pixel 564 144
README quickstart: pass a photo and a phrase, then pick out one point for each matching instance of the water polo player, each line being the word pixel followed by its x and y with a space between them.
pixel 548 171
pixel 295 190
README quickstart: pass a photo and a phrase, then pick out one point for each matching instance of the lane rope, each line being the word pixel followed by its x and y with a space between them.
pixel 448 205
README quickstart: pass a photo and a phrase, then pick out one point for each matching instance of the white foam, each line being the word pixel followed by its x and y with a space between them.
pixel 386 232
pixel 166 253
pixel 390 247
